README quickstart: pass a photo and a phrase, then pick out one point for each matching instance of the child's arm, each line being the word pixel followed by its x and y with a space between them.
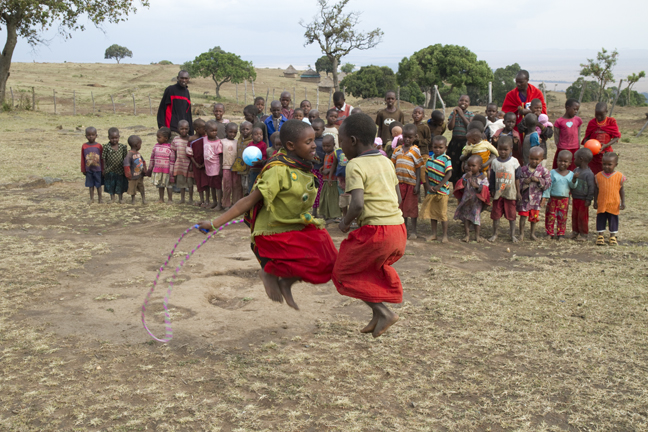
pixel 612 141
pixel 83 165
pixel 150 170
pixel 400 197
pixel 489 161
pixel 334 166
pixel 354 210
pixel 241 206
pixel 417 188
pixel 172 159
pixel 591 185
pixel 451 121
pixel 102 159
pixel 622 194
pixel 195 163
pixel 596 194
pixel 519 190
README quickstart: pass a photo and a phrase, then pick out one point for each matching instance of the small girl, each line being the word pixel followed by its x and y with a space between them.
pixel 162 161
pixel 567 131
pixel 458 122
pixel 331 124
pixel 244 139
pixel 113 155
pixel 257 141
pixel 219 112
pixel 609 198
pixel 472 192
pixel 182 170
pixel 214 164
pixel 562 182
pixel 329 198
pixel 533 180
pixel 232 190
pixel 196 153
pixel 396 135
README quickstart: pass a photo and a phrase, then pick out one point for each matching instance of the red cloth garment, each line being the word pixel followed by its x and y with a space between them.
pixel 603 132
pixel 572 166
pixel 580 216
pixel 364 267
pixel 409 201
pixel 503 207
pixel 557 210
pixel 308 254
pixel 200 176
pixel 483 196
pixel 512 101
pixel 533 215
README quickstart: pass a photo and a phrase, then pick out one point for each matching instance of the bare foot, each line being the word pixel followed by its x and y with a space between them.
pixel 181 201
pixel 212 206
pixel 285 287
pixel 99 201
pixel 431 238
pixel 560 237
pixel 573 236
pixel 91 201
pixel 143 201
pixel 493 238
pixel 372 324
pixel 190 202
pixel 514 239
pixel 581 238
pixel 169 202
pixel 479 239
pixel 521 238
pixel 412 237
pixel 218 208
pixel 271 284
pixel 466 239
pixel 384 322
pixel 533 237
pixel 161 201
pixel 444 239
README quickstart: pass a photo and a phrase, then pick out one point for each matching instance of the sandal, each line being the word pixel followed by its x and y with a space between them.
pixel 613 241
pixel 600 240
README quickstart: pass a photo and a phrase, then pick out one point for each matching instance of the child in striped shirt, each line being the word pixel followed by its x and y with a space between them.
pixel 437 174
pixel 182 169
pixel 162 161
pixel 407 160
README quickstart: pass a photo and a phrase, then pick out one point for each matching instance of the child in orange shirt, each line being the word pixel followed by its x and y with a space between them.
pixel 609 198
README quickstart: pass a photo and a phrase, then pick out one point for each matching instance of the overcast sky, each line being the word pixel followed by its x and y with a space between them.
pixel 550 38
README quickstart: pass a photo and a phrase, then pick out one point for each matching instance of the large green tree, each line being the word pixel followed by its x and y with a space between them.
pixel 323 64
pixel 335 32
pixel 504 82
pixel 601 69
pixel 222 67
pixel 632 80
pixel 27 19
pixel 452 68
pixel 370 81
pixel 117 52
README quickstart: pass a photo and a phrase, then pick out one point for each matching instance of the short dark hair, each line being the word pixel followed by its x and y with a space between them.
pixel 298 109
pixel 219 103
pixel 338 96
pixel 409 127
pixel 611 155
pixel 530 118
pixel 230 124
pixel 584 153
pixel 275 102
pixel 476 124
pixel 570 102
pixel 212 124
pixel 331 111
pixel 183 71
pixel 491 104
pixel 112 130
pixel 305 100
pixel 90 129
pixel 362 127
pixel 506 140
pixel 165 131
pixel 440 138
pixel 536 101
pixel 523 73
pixel 480 118
pixel 474 131
pixel 437 115
pixel 601 106
pixel 390 91
pixel 181 121
pixel 133 139
pixel 199 122
pixel 259 98
pixel 317 121
pixel 292 130
pixel 251 109
pixel 392 125
pixel 510 114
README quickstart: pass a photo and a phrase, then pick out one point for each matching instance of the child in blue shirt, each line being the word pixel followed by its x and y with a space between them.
pixel 562 182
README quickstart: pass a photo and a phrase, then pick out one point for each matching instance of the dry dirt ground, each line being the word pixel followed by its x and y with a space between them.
pixel 537 336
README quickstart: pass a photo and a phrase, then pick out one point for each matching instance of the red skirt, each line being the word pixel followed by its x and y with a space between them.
pixel 363 269
pixel 204 182
pixel 308 254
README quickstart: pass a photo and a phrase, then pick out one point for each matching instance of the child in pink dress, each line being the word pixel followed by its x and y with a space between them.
pixel 213 148
pixel 232 189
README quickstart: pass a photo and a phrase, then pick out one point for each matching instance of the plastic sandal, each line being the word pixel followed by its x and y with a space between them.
pixel 613 241
pixel 600 240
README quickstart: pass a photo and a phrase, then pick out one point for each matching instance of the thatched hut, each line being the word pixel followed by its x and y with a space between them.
pixel 291 72
pixel 310 76
pixel 326 84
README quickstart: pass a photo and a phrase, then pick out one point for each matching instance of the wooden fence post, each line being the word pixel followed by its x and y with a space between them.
pixel 398 97
pixel 616 98
pixel 93 102
pixel 265 105
pixel 134 106
pixel 273 98
pixel 433 99
pixel 305 93
pixel 33 99
pixel 245 98
pixel 253 94
pixel 644 127
pixel 580 98
pixel 13 103
pixel 236 93
pixel 490 92
pixel 113 103
pixel 330 97
pixel 74 102
pixel 436 89
pixel 295 96
pixel 317 99
pixel 54 93
pixel 150 105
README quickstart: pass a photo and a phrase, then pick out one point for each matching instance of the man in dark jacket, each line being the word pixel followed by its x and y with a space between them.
pixel 176 104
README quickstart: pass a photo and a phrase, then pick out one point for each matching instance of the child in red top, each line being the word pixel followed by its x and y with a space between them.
pixel 605 130
pixel 92 163
pixel 566 132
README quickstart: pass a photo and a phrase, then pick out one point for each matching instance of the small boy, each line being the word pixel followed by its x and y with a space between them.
pixel 162 162
pixel 423 134
pixel 330 197
pixel 533 179
pixel 407 160
pixel 312 115
pixel 609 198
pixel 436 124
pixel 509 130
pixel 135 169
pixel 437 176
pixel 115 183
pixel 196 152
pixel 356 110
pixel 245 138
pixel 182 170
pixel 274 122
pixel 340 173
pixel 331 125
pixel 605 130
pixel 257 141
pixel 531 139
pixel 493 123
pixel 305 105
pixel 558 194
pixel 213 154
pixel 477 145
pixel 388 115
pixel 364 269
pixel 259 103
pixel 582 194
pixel 318 161
pixel 91 163
pixel 250 114
pixel 343 109
pixel 199 130
pixel 505 187
pixel 458 121
pixel 232 189
pixel 285 100
pixel 219 112
pixel 275 139
pixel 298 114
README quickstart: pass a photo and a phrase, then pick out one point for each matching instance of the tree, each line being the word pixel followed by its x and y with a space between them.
pixel 632 80
pixel 451 67
pixel 601 69
pixel 323 64
pixel 222 67
pixel 334 31
pixel 117 52
pixel 504 81
pixel 28 18
pixel 590 93
pixel 347 68
pixel 370 81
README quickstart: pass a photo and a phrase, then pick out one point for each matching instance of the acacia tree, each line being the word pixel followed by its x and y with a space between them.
pixel 323 64
pixel 632 80
pixel 222 67
pixel 601 69
pixel 334 30
pixel 370 81
pixel 347 68
pixel 28 18
pixel 117 52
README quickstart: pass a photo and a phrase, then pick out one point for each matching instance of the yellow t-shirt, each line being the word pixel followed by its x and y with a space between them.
pixel 483 149
pixel 375 175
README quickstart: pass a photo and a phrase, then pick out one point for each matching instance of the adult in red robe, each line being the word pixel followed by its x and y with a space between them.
pixel 605 130
pixel 518 100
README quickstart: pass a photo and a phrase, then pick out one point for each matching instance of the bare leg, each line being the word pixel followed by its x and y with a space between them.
pixel 386 318
pixel 466 231
pixel 206 204
pixel 444 225
pixel 92 195
pixel 182 195
pixel 112 198
pixel 99 189
pixel 478 238
pixel 372 324
pixel 132 199
pixel 143 196
pixel 522 223
pixel 512 230
pixel 271 284
pixel 219 197
pixel 213 195
pixel 161 193
pixel 170 195
pixel 285 286
pixel 433 225
pixel 191 195
pixel 413 235
pixel 495 227
pixel 121 197
pixel 532 235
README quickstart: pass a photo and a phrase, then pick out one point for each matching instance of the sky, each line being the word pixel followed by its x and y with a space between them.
pixel 549 38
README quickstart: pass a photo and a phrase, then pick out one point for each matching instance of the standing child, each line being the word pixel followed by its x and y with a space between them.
pixel 298 114
pixel 257 141
pixel 196 153
pixel 318 162
pixel 92 163
pixel 558 194
pixel 162 161
pixel 477 145
pixel 343 108
pixel 232 190
pixel 305 105
pixel 493 123
pixel 423 138
pixel 259 103
pixel 340 174
pixel 135 169
pixel 531 138
pixel 214 164
pixel 582 194
pixel 250 115
pixel 219 112
pixel 609 198
pixel 182 170
pixel 396 135
pixel 275 140
pixel 605 130
pixel 115 182
pixel 331 126
pixel 436 124
pixel 290 244
pixel 285 100
pixel 510 130
pixel 329 200
pixel 533 180
pixel 312 115
pixel 274 122
pixel 407 160
pixel 364 267
pixel 387 116
pixel 506 187
pixel 567 130
pixel 472 192
pixel 437 186
pixel 458 122
pixel 240 168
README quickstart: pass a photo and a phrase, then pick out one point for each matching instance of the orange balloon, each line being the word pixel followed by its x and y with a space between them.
pixel 593 145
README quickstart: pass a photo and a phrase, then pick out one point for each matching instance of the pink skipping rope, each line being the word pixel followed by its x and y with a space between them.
pixel 167 319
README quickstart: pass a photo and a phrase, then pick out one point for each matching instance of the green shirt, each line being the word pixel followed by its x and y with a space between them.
pixel 288 197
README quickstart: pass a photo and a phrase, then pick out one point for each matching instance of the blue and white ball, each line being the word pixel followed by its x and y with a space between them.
pixel 251 155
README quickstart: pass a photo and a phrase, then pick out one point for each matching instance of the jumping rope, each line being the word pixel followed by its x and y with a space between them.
pixel 167 319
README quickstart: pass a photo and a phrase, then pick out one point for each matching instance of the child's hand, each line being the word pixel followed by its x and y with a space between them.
pixel 344 227
pixel 205 225
pixel 622 206
pixel 588 203
pixel 417 189
pixel 544 202
pixel 596 205
pixel 535 179
pixel 527 180
pixel 576 174
pixel 519 196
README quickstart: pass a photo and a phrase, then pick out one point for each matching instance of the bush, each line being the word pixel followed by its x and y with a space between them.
pixel 165 62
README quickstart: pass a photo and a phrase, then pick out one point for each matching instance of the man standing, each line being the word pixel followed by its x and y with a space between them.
pixel 176 104
pixel 519 99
